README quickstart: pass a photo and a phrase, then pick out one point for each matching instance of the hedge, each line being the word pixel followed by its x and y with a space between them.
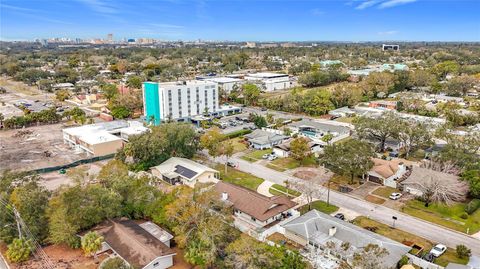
pixel 472 206
pixel 238 133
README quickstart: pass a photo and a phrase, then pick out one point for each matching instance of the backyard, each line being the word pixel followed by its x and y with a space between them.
pixel 451 216
pixel 404 237
pixel 320 206
pixel 238 177
pixel 238 144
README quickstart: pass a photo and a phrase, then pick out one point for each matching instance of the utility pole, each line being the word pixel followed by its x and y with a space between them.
pixel 328 193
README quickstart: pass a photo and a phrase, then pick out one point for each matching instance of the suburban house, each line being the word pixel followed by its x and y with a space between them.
pixel 283 149
pixel 142 245
pixel 260 139
pixel 321 132
pixel 184 171
pixel 421 178
pixel 386 172
pixel 392 105
pixel 342 112
pixel 316 229
pixel 101 139
pixel 253 210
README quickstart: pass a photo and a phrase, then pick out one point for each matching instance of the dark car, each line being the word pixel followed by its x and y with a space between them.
pixel 429 257
pixel 340 216
pixel 231 164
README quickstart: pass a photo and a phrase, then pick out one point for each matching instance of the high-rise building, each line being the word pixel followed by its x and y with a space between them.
pixel 178 101
pixel 110 38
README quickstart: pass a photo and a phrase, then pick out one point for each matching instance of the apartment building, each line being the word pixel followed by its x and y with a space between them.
pixel 178 101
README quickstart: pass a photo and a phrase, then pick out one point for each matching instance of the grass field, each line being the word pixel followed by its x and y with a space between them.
pixel 238 145
pixel 277 189
pixel 320 206
pixel 402 236
pixel 283 164
pixel 238 177
pixel 384 191
pixel 448 216
pixel 256 155
pixel 338 180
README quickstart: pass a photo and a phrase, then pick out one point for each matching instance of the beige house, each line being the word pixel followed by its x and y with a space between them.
pixel 184 171
pixel 387 172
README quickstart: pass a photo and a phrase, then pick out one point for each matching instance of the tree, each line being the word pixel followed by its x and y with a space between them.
pixel 217 145
pixel 351 158
pixel 121 112
pixel 413 136
pixel 164 141
pixel 440 191
pixel 246 252
pixel 250 93
pixel 300 149
pixel 445 68
pixel 420 78
pixel 109 91
pixel 459 86
pixel 19 250
pixel 258 120
pixel 91 243
pixel 114 263
pixel 473 178
pixel 379 129
pixel 462 251
pixel 134 82
pixel 311 189
pixel 317 102
pixel 378 84
pixel 111 172
pixel 62 95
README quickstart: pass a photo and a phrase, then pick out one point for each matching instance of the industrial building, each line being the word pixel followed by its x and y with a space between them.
pixel 270 81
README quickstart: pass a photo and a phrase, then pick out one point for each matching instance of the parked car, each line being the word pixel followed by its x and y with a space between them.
pixel 438 250
pixel 429 257
pixel 272 157
pixel 231 164
pixel 395 196
pixel 340 216
pixel 266 156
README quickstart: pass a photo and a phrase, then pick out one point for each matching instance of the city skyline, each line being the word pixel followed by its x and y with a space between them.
pixel 349 20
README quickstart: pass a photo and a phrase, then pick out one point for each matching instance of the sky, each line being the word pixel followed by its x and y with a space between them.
pixel 243 20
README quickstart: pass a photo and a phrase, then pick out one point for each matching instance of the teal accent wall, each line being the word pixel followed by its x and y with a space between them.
pixel 151 102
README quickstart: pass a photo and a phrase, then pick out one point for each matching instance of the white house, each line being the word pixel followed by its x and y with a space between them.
pixel 283 149
pixel 318 129
pixel 260 139
pixel 184 171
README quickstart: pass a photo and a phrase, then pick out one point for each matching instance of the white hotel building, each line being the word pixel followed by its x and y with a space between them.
pixel 178 100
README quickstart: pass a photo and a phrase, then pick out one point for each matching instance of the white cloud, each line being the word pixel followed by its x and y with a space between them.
pixel 393 3
pixel 317 12
pixel 367 4
pixel 392 32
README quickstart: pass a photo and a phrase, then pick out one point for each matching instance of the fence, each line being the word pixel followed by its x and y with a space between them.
pixel 73 164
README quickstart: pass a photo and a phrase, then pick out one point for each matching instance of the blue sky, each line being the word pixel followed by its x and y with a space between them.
pixel 261 20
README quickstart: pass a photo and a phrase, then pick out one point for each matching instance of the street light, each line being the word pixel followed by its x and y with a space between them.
pixel 394 219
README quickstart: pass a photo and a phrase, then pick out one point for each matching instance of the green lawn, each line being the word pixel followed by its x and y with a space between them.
pixel 277 189
pixel 238 145
pixel 338 180
pixel 374 199
pixel 402 236
pixel 256 155
pixel 320 206
pixel 384 191
pixel 448 216
pixel 345 119
pixel 238 177
pixel 283 164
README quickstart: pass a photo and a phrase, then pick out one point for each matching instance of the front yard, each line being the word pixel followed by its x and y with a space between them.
pixel 338 180
pixel 238 177
pixel 283 164
pixel 277 189
pixel 404 237
pixel 453 217
pixel 256 155
pixel 238 144
pixel 385 191
pixel 320 206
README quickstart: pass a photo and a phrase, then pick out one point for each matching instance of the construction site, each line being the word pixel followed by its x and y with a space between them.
pixel 34 148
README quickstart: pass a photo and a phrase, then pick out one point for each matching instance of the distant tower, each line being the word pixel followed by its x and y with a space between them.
pixel 110 38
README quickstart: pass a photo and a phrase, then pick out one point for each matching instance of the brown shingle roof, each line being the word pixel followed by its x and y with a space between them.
pixel 385 168
pixel 252 203
pixel 133 243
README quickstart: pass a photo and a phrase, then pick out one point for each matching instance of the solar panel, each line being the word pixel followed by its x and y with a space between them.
pixel 181 170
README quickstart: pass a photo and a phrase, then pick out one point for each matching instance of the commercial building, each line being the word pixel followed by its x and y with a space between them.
pixel 101 139
pixel 270 81
pixel 390 47
pixel 178 101
pixel 226 84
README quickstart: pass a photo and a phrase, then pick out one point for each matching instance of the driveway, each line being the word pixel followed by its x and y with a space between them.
pixel 430 231
pixel 264 188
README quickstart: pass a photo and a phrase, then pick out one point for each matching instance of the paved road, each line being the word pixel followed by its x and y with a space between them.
pixel 377 212
pixel 3 263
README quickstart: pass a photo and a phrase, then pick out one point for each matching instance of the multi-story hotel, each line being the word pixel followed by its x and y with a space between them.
pixel 178 101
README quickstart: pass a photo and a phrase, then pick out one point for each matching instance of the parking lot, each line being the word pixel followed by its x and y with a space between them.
pixel 231 124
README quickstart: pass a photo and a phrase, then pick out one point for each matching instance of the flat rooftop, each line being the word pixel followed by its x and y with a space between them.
pixel 267 75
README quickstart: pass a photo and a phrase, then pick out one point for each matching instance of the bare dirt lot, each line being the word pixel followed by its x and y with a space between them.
pixel 30 150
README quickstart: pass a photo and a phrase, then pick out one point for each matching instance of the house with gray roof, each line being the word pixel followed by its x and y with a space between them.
pixel 316 229
pixel 260 139
pixel 317 129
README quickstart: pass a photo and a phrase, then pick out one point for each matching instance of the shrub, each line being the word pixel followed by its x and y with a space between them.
pixel 19 250
pixel 463 251
pixel 238 133
pixel 472 206
pixel 464 215
pixel 403 261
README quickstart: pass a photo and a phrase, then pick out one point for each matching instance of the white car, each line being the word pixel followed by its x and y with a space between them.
pixel 438 250
pixel 395 196
pixel 266 156
pixel 272 157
